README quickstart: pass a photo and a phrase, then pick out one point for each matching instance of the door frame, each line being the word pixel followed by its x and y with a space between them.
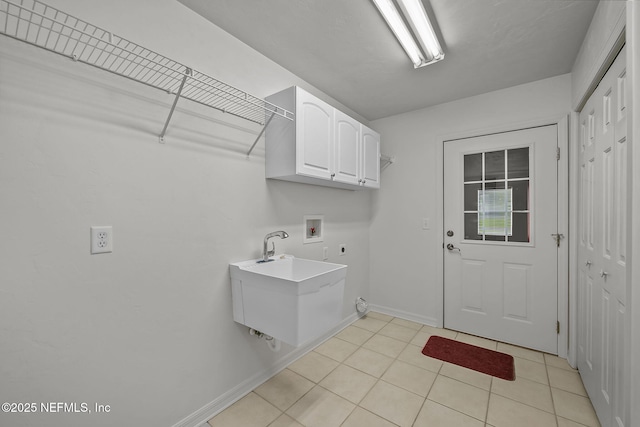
pixel 633 247
pixel 562 123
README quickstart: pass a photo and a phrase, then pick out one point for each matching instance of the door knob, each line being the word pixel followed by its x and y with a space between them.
pixel 588 263
pixel 603 274
pixel 452 248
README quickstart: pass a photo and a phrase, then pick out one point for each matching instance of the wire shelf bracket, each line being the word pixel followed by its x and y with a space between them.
pixel 260 134
pixel 386 160
pixel 187 73
pixel 41 25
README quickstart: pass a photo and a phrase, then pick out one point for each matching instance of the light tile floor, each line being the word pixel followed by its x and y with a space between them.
pixel 373 374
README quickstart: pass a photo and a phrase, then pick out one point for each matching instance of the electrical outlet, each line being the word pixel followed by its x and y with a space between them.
pixel 325 253
pixel 342 249
pixel 101 239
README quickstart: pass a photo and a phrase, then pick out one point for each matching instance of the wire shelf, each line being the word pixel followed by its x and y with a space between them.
pixel 36 23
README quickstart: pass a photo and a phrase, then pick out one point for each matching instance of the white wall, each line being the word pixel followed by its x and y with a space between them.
pixel 147 329
pixel 406 261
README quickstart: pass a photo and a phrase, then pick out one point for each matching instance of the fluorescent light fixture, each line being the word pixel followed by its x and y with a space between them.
pixel 425 48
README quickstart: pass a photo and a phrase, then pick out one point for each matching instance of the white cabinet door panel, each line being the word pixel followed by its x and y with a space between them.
pixel 370 158
pixel 314 131
pixel 347 149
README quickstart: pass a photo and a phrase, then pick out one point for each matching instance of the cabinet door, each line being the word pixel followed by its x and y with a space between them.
pixel 346 160
pixel 370 155
pixel 314 136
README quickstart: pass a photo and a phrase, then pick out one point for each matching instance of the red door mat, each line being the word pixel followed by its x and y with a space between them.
pixel 470 356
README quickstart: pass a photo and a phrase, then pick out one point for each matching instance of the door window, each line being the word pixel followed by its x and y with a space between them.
pixel 497 196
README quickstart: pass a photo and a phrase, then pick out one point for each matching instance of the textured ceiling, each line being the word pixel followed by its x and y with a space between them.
pixel 345 49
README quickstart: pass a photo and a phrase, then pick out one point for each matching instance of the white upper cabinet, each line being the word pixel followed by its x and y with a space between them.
pixel 322 146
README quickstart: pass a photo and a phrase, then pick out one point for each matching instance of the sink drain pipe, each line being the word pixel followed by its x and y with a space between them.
pixel 272 343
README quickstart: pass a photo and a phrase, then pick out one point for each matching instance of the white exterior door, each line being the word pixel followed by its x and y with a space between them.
pixel 501 260
pixel 314 127
pixel 602 245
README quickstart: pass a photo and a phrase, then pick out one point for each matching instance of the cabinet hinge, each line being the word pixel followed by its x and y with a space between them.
pixel 558 327
pixel 557 153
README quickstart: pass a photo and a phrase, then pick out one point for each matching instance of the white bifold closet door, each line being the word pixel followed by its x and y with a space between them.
pixel 602 245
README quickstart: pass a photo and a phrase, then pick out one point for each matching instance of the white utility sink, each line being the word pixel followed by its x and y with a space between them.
pixel 292 299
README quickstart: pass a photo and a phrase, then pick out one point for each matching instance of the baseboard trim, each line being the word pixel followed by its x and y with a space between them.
pixel 430 321
pixel 211 409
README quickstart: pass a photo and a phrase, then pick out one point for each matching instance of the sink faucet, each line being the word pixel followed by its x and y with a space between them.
pixel 266 253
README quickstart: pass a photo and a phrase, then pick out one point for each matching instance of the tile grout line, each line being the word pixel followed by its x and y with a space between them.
pixel 486 415
pixel 553 403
